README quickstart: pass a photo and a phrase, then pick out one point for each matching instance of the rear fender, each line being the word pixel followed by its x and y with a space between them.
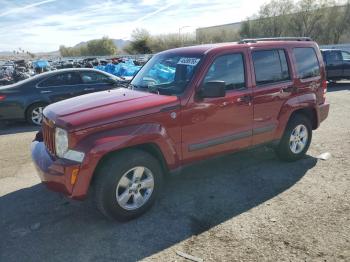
pixel 291 106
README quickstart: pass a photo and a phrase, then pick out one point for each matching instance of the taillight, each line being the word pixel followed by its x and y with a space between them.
pixel 2 97
pixel 324 87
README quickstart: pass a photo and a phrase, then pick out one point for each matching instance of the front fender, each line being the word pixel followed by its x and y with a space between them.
pixel 98 145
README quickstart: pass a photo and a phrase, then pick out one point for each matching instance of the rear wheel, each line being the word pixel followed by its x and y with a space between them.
pixel 296 139
pixel 34 114
pixel 127 184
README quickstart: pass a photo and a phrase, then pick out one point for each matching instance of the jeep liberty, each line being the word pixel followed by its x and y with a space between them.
pixel 185 105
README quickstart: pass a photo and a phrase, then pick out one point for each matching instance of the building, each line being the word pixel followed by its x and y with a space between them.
pixel 219 33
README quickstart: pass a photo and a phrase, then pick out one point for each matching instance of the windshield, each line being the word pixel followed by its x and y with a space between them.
pixel 166 74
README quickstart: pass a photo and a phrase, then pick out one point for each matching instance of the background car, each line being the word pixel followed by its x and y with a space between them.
pixel 337 64
pixel 27 99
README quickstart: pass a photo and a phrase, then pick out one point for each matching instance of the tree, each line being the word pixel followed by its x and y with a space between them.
pixel 321 20
pixel 309 18
pixel 31 54
pixel 104 46
pixel 98 47
pixel 273 19
pixel 217 36
pixel 338 20
pixel 140 42
pixel 166 41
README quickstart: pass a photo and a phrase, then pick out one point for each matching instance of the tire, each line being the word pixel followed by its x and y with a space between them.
pixel 116 179
pixel 32 112
pixel 293 145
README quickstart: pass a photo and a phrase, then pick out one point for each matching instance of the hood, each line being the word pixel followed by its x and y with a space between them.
pixel 105 107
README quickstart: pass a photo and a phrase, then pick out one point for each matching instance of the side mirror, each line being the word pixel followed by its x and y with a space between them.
pixel 213 89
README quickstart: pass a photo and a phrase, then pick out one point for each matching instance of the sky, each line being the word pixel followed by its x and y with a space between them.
pixel 44 25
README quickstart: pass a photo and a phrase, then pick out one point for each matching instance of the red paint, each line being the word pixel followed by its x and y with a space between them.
pixel 108 121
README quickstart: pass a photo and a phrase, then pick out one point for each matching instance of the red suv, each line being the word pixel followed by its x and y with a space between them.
pixel 184 105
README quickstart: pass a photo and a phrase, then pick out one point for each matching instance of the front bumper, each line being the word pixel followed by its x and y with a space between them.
pixel 54 173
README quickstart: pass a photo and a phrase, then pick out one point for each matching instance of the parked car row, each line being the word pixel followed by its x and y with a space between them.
pixel 14 71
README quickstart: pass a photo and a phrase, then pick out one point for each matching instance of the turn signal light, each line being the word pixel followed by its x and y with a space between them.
pixel 74 176
pixel 2 97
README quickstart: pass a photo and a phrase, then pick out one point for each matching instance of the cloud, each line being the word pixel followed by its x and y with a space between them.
pixel 24 8
pixel 44 25
pixel 161 9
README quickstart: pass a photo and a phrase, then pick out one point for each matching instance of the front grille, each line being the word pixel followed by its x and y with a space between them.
pixel 49 135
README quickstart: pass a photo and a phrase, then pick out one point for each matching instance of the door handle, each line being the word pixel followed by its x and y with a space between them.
pixel 247 99
pixel 89 89
pixel 287 89
pixel 46 92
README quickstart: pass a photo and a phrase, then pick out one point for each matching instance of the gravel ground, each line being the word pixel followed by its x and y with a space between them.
pixel 242 207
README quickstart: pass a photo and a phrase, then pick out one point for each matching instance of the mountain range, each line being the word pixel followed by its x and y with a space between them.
pixel 119 43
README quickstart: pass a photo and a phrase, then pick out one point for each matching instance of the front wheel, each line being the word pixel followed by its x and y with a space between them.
pixel 296 139
pixel 127 184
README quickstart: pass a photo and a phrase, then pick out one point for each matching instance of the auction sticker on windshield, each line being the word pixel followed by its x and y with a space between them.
pixel 188 61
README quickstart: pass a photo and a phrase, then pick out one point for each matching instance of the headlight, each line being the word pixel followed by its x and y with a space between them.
pixel 62 150
pixel 61 141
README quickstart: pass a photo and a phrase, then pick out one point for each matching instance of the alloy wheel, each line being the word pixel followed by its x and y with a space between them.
pixel 298 139
pixel 37 115
pixel 135 188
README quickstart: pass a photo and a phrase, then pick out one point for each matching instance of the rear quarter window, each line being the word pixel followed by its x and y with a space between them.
pixel 306 62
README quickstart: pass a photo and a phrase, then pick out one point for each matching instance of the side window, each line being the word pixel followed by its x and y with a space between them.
pixel 93 78
pixel 306 62
pixel 333 56
pixel 228 68
pixel 61 80
pixel 270 66
pixel 346 56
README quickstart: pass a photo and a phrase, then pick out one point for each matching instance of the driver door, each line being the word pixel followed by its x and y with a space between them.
pixel 334 64
pixel 216 125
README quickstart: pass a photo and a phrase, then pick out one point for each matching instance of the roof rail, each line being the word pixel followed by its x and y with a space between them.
pixel 254 40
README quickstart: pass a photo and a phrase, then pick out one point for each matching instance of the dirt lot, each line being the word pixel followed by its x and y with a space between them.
pixel 247 206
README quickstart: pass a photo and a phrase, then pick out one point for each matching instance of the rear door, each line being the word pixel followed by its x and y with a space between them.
pixel 95 81
pixel 273 86
pixel 334 64
pixel 60 86
pixel 346 64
